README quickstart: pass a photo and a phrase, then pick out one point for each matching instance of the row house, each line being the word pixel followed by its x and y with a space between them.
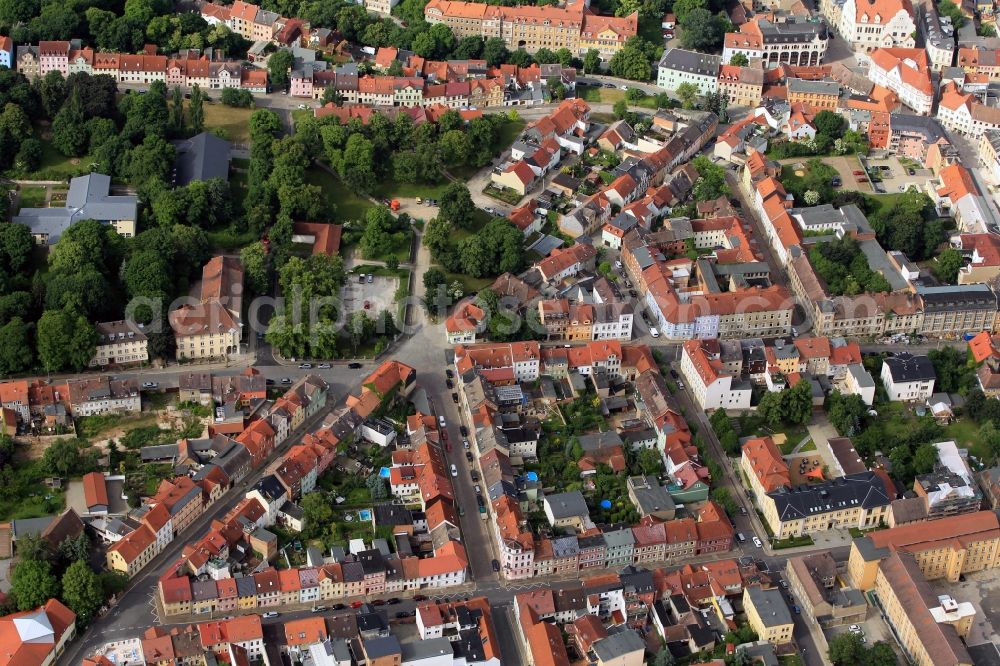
pixel 871 24
pixel 792 42
pixel 907 73
pixel 965 113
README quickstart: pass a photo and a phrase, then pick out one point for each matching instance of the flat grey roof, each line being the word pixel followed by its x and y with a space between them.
pixel 770 606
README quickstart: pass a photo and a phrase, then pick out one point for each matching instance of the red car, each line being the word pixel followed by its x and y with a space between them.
pixel 859 173
pixel 355 604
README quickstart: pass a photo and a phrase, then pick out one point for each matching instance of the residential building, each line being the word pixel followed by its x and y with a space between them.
pixel 965 113
pixel 202 157
pixel 37 637
pixel 103 395
pixel 572 26
pixel 906 72
pixel 814 582
pixel 908 378
pixel 714 386
pixel 945 548
pixel 213 327
pixel 869 24
pixel 567 509
pixel 768 614
pixel 794 42
pixel 989 154
pixel 119 343
pixel 938 34
pixel 928 626
pixel 856 500
pixel 818 95
pixel 88 198
pixel 678 66
pixel 764 467
pixel 650 498
pixel 742 86
pixel 950 489
pixel 6 52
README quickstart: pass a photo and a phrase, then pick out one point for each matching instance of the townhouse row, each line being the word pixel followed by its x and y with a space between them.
pixel 188 69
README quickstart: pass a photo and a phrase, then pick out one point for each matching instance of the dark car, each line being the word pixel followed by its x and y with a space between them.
pixel 464 431
pixel 393 601
pixel 401 614
pixel 496 565
pixel 474 475
pixel 835 182
pixel 378 602
pixel 353 366
pixel 912 172
pixel 454 398
pixel 673 373
pixel 468 456
pixel 338 607
pixel 419 597
pixel 449 373
pixel 480 501
pixel 450 384
pixel 269 382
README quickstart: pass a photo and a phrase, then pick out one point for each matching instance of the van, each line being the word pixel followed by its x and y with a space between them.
pixel 739 535
pixel 655 333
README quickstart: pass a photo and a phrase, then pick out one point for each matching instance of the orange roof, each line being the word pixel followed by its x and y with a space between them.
pixel 448 558
pixel 326 236
pixel 95 491
pixel 14 392
pixel 813 347
pixel 880 12
pixel 915 537
pixel 983 346
pixel 134 544
pixel 956 183
pixel 23 650
pixel 767 464
pixel 388 376
pixel 466 317
pixel 305 631
pixel 912 65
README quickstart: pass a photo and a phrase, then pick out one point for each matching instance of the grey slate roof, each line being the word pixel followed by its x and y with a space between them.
pixel 908 368
pixel 865 489
pixel 691 61
pixel 202 157
pixel 618 645
pixel 770 606
pixel 567 505
pixel 813 87
pixel 88 198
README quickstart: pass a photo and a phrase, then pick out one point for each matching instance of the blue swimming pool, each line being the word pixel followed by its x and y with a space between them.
pixel 365 514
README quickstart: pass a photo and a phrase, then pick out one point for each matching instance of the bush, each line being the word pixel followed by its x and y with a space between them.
pixel 237 97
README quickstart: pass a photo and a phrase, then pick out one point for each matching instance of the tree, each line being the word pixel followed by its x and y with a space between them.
pixel 29 156
pixel 702 31
pixel 650 461
pixel 52 91
pixel 356 164
pixel 632 61
pixel 592 62
pixel 376 486
pixel 33 584
pixel 688 94
pixel 15 347
pixel 255 267
pixel 32 547
pixel 196 110
pixel 69 133
pixel 495 51
pixel 664 658
pixel 846 649
pixel 82 591
pixel 278 66
pixel 376 240
pixel 456 206
pixel 846 413
pixel 71 550
pixel 65 339
pixel 951 10
pixel 829 123
pixel 317 511
pixel 392 263
pixel 739 60
pixel 684 7
pixel 924 459
pixel 620 109
pixel 947 265
pixel 711 183
pixel 16 245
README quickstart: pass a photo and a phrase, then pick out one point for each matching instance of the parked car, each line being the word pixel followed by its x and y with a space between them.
pixel 478 489
pixel 855 629
pixel 323 366
pixel 419 597
pixel 465 444
pixel 149 385
pixel 338 607
pixel 353 366
pixel 474 475
pixel 368 305
pixel 361 279
pixel 454 398
pixel 449 374
pixel 356 604
pixel 286 380
pixel 463 431
pixel 859 173
pixel 757 542
pixel 319 609
pixel 468 456
pixel 270 614
pixel 480 501
pixel 371 278
pixel 378 602
pixel 496 565
pixel 393 601
pixel 450 384
pixel 454 470
pixel 305 366
pixel 911 172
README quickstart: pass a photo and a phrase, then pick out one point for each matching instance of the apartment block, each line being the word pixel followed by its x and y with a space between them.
pixel 119 343
pixel 793 42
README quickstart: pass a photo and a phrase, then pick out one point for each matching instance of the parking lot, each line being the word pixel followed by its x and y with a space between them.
pixel 873 629
pixel 982 589
pixel 845 165
pixel 378 294
pixel 895 175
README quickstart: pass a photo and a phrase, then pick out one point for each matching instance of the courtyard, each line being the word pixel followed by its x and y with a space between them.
pixel 894 173
pixel 378 294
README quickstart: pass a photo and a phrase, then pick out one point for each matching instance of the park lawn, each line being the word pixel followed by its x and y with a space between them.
pixel 32 196
pixel 884 200
pixel 391 188
pixel 229 239
pixel 348 204
pixel 233 122
pixel 508 132
pixel 56 166
pixel 470 285
pixel 600 95
pixel 965 433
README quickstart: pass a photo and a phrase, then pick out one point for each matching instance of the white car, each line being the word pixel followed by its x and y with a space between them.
pixel 454 470
pixel 441 421
pixel 270 614
pixel 855 629
pixel 757 542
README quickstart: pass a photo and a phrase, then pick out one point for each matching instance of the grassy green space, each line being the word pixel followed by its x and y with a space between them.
pixel 509 197
pixel 230 239
pixel 92 427
pixel 884 200
pixel 792 542
pixel 401 246
pixel 470 284
pixel 600 95
pixel 391 188
pixel 56 166
pixel 349 205
pixel 809 446
pixel 238 187
pixel 299 114
pixel 509 131
pixel 233 123
pixel 42 501
pixel 965 434
pixel 32 197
